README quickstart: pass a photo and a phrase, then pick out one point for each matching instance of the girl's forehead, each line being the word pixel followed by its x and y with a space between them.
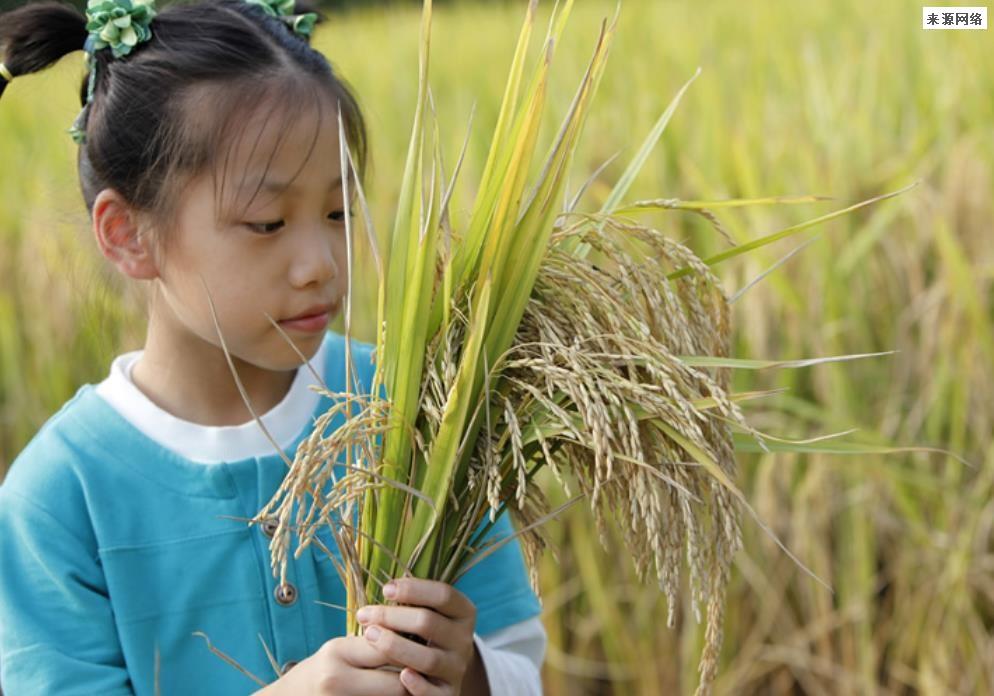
pixel 287 137
pixel 279 148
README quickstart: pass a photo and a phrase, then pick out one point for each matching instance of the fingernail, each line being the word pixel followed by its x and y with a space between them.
pixel 390 590
pixel 372 633
pixel 364 615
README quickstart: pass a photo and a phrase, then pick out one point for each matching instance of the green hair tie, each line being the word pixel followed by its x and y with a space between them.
pixel 120 24
pixel 302 24
pixel 116 24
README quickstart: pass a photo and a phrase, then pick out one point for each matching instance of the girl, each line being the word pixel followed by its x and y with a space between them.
pixel 209 163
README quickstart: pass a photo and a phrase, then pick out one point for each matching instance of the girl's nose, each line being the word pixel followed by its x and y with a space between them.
pixel 315 260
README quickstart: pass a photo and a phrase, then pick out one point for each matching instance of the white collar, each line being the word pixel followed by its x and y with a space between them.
pixel 212 444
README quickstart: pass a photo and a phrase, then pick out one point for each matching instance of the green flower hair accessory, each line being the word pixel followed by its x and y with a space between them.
pixel 78 128
pixel 302 24
pixel 120 24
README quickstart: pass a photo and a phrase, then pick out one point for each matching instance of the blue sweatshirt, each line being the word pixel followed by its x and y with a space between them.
pixel 115 549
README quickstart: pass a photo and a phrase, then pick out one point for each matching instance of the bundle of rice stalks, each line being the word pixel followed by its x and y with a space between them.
pixel 537 337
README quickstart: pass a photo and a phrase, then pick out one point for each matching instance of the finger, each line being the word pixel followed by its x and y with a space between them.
pixel 417 685
pixel 358 652
pixel 431 662
pixel 369 682
pixel 427 623
pixel 439 596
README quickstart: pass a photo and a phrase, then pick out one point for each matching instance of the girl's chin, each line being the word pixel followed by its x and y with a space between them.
pixel 306 345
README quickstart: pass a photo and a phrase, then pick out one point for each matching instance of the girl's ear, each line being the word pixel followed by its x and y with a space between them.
pixel 116 227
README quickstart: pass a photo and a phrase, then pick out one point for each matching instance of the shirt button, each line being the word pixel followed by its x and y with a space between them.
pixel 287 666
pixel 286 594
pixel 269 527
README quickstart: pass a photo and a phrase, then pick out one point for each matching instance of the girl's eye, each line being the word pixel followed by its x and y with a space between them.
pixel 271 227
pixel 265 227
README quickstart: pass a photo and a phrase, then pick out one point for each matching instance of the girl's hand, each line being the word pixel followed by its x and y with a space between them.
pixel 344 666
pixel 444 617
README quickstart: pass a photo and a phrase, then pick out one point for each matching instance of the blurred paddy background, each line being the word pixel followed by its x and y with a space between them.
pixel 844 99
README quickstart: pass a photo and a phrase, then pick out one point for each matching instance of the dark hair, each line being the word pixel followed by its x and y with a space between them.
pixel 227 57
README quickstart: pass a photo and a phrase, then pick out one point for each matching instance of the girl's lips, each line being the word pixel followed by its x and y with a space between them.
pixel 312 324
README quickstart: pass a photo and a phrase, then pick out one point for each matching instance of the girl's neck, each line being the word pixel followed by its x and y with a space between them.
pixel 190 378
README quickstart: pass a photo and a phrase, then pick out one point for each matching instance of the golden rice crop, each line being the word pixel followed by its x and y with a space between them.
pixel 537 337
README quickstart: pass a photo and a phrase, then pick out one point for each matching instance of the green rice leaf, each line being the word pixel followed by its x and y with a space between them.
pixel 753 364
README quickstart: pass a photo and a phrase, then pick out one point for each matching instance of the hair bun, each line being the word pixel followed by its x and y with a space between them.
pixel 38 34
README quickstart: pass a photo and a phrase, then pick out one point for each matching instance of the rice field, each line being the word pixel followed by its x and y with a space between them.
pixel 845 99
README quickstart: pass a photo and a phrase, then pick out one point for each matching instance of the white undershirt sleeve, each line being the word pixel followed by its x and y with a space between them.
pixel 513 658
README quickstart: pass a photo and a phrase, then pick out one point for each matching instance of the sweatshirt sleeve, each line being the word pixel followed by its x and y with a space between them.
pixel 513 658
pixel 57 631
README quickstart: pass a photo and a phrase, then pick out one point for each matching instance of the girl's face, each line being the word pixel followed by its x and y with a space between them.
pixel 283 254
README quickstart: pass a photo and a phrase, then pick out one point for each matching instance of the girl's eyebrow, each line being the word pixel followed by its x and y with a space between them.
pixel 281 186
